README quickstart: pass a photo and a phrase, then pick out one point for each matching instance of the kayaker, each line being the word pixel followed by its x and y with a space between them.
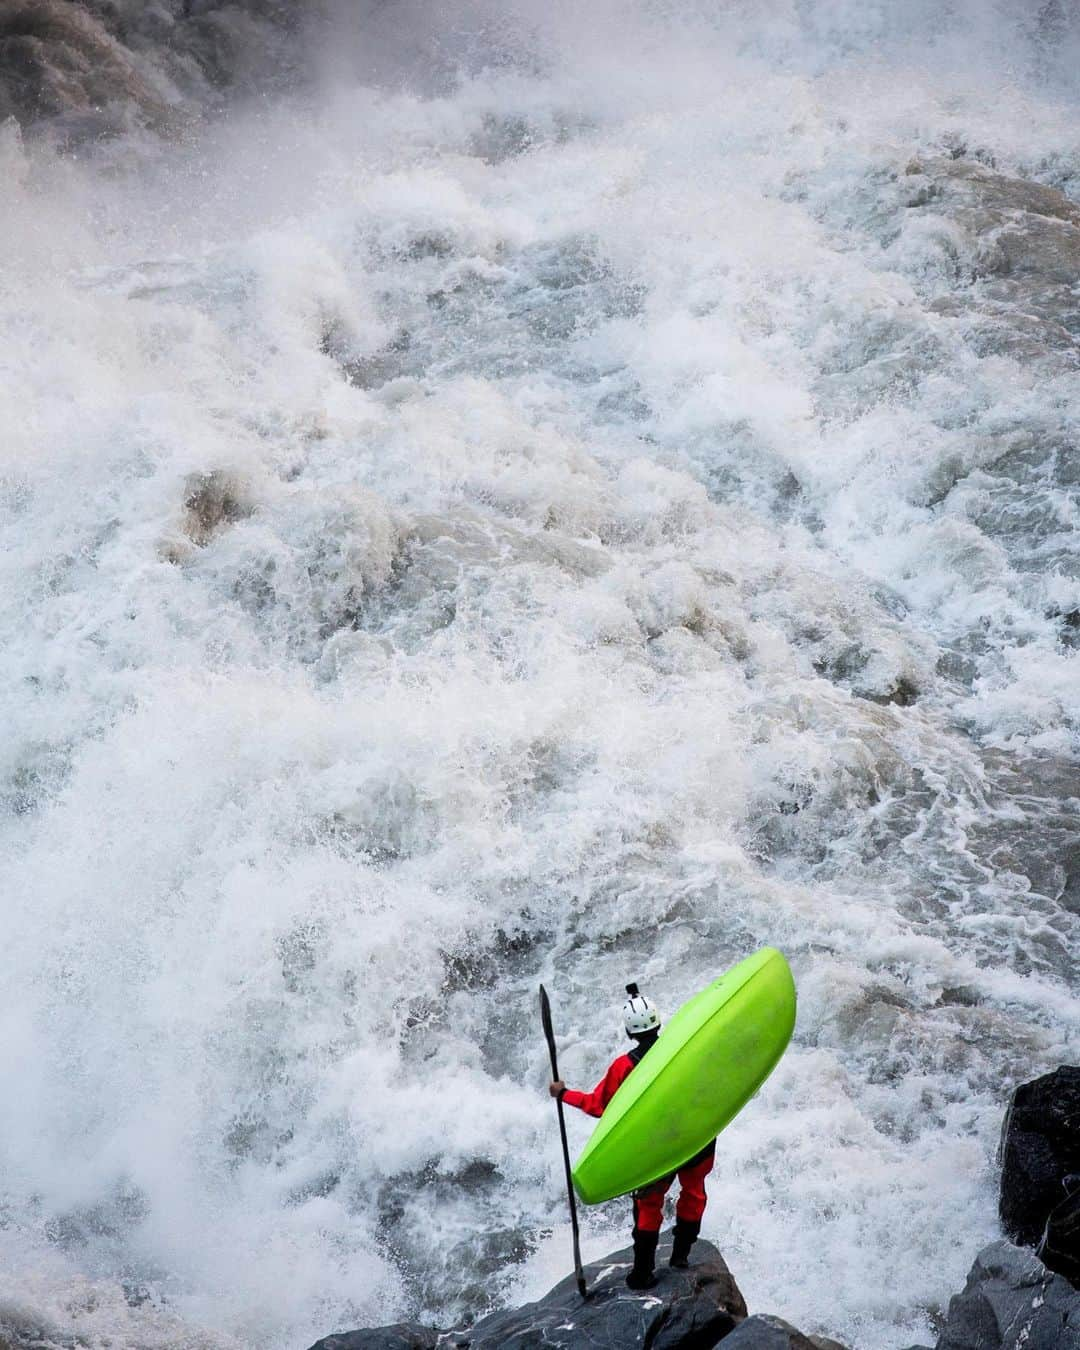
pixel 642 1021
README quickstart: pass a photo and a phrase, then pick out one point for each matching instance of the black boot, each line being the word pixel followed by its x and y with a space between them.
pixel 686 1231
pixel 641 1276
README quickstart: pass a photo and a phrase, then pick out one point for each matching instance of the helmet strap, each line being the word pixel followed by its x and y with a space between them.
pixel 645 1042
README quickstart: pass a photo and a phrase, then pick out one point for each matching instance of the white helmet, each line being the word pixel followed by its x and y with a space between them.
pixel 640 1014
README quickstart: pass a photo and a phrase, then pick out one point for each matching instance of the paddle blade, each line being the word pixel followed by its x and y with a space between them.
pixel 545 1018
pixel 545 1014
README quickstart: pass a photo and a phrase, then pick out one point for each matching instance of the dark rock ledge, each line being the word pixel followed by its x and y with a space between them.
pixel 688 1310
pixel 1011 1302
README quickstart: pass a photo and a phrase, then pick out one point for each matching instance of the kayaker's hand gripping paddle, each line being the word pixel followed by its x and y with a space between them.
pixel 545 1017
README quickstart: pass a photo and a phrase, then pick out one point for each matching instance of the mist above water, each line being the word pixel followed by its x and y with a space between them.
pixel 551 497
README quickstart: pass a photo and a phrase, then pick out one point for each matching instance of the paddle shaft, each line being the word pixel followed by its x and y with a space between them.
pixel 545 1017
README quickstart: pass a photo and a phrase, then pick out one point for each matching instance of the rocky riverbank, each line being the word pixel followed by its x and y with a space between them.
pixel 1012 1300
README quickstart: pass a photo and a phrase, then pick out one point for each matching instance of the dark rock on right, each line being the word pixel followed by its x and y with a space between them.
pixel 1059 1247
pixel 1040 1154
pixel 1012 1302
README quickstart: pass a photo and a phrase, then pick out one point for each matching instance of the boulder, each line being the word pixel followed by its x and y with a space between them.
pixel 689 1309
pixel 1012 1302
pixel 763 1332
pixel 400 1336
pixel 1040 1147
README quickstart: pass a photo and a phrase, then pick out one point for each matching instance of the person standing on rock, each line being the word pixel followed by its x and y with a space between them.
pixel 642 1021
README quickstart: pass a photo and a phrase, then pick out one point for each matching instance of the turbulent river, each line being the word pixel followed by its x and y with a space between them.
pixel 572 500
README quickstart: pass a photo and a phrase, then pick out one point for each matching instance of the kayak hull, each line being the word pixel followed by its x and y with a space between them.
pixel 710 1059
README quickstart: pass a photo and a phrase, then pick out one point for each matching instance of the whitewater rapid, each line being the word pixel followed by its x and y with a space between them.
pixel 576 520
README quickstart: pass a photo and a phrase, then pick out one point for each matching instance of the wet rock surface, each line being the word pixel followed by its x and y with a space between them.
pixel 1059 1248
pixel 763 1332
pixel 61 58
pixel 687 1309
pixel 399 1336
pixel 1012 1302
pixel 1040 1149
pixel 88 69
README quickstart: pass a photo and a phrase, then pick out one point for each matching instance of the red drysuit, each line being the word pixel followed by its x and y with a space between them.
pixel 649 1202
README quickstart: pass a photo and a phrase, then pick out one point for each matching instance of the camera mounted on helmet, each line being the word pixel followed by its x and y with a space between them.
pixel 640 1014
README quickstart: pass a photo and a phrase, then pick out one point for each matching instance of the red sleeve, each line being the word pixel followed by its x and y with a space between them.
pixel 593 1103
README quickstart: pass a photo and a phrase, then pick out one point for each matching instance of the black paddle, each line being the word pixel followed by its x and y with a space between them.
pixel 545 1017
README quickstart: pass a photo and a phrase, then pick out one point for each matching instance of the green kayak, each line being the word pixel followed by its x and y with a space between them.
pixel 710 1059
